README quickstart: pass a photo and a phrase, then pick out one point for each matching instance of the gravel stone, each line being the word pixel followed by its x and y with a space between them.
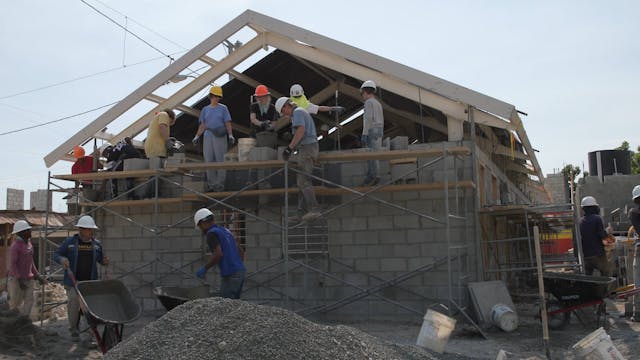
pixel 217 328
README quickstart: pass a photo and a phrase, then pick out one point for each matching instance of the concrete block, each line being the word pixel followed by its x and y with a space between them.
pixel 357 279
pixel 258 254
pixel 367 265
pixel 393 264
pixel 419 236
pixel 354 223
pixel 401 173
pixel 141 243
pixel 392 236
pixel 333 224
pixel 366 208
pixel 262 154
pixel 275 253
pixel 406 221
pixel 380 251
pixel 135 164
pixel 380 222
pixel 342 237
pixel 399 143
pixel 408 251
pixel 366 237
pixel 403 195
pixel 390 210
pixel 353 251
pixel 132 256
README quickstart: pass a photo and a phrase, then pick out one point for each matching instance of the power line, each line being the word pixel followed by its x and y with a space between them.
pixel 83 77
pixel 58 120
pixel 127 30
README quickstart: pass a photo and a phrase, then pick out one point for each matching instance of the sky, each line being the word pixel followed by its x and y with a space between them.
pixel 572 66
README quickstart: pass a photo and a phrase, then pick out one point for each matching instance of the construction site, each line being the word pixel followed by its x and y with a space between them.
pixel 460 220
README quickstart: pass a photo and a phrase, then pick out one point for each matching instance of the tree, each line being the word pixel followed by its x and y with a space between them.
pixel 570 173
pixel 635 156
pixel 623 146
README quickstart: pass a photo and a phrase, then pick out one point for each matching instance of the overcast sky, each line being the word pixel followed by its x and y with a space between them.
pixel 573 66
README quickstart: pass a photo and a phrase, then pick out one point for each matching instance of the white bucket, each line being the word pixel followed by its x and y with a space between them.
pixel 597 346
pixel 435 331
pixel 504 317
pixel 244 148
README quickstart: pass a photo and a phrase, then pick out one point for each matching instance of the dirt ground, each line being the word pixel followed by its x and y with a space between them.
pixel 52 340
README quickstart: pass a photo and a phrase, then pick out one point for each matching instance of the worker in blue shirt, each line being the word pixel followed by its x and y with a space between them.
pixel 594 238
pixel 224 253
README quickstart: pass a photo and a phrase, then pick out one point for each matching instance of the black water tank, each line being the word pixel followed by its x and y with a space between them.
pixel 611 162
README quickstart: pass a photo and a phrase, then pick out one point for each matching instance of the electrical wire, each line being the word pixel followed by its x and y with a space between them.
pixel 58 120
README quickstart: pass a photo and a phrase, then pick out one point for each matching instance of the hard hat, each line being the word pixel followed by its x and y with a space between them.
pixel 262 90
pixel 636 192
pixel 296 90
pixel 86 222
pixel 216 91
pixel 19 226
pixel 201 214
pixel 78 152
pixel 280 103
pixel 104 147
pixel 369 84
pixel 588 201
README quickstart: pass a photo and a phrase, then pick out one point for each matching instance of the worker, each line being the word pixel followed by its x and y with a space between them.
pixel 634 217
pixel 215 124
pixel 594 238
pixel 79 256
pixel 84 165
pixel 297 97
pixel 305 142
pixel 115 156
pixel 372 129
pixel 22 270
pixel 262 114
pixel 326 143
pixel 155 146
pixel 224 253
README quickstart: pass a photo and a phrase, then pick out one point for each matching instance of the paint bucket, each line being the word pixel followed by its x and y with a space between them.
pixel 435 331
pixel 597 346
pixel 244 148
pixel 504 317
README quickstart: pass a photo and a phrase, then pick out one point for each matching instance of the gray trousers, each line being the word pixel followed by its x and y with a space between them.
pixel 73 308
pixel 374 143
pixel 231 286
pixel 214 149
pixel 304 160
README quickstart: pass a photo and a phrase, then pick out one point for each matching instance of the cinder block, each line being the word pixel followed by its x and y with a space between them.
pixel 366 237
pixel 342 237
pixel 135 164
pixel 392 236
pixel 132 256
pixel 393 264
pixel 354 223
pixel 380 251
pixel 258 254
pixel 419 236
pixel 367 265
pixel 399 143
pixel 275 253
pixel 366 209
pixel 380 222
pixel 353 251
pixel 357 279
pixel 408 251
pixel 402 173
pixel 406 221
pixel 262 154
pixel 141 243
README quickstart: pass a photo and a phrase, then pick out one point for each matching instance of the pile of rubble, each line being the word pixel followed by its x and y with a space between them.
pixel 19 337
pixel 217 328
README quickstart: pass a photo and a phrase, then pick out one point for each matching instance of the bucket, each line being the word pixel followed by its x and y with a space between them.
pixel 504 317
pixel 244 147
pixel 267 139
pixel 435 331
pixel 597 346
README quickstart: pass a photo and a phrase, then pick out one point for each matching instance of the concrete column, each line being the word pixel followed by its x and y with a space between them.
pixel 455 129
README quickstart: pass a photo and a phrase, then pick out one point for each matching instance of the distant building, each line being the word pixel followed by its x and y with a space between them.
pixel 15 199
pixel 38 200
pixel 557 186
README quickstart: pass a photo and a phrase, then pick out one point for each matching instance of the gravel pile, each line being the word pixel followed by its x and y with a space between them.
pixel 217 328
pixel 19 337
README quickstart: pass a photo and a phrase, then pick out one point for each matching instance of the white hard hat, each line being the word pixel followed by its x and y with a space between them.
pixel 19 226
pixel 296 90
pixel 588 201
pixel 369 84
pixel 103 147
pixel 86 222
pixel 636 192
pixel 280 103
pixel 200 215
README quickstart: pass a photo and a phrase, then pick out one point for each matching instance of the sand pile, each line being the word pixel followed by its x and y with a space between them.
pixel 19 337
pixel 217 328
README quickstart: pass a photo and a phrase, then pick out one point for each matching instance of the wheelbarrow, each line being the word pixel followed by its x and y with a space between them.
pixel 172 296
pixel 108 303
pixel 573 292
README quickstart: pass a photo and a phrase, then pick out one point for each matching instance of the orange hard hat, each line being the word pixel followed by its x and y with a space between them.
pixel 262 90
pixel 78 152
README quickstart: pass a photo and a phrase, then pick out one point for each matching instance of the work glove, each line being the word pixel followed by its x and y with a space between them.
pixel 201 272
pixel 264 125
pixel 364 139
pixel 231 140
pixel 286 153
pixel 196 140
pixel 337 109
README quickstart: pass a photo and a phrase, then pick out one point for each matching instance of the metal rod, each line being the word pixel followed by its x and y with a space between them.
pixel 285 233
pixel 447 226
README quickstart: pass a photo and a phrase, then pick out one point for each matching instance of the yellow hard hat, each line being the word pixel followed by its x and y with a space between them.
pixel 216 91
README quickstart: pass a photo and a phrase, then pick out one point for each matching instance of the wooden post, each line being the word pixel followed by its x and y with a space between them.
pixel 543 306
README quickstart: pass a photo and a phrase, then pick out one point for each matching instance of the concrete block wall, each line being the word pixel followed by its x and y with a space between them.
pixel 15 199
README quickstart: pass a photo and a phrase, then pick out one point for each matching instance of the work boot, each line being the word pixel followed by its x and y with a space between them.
pixel 75 335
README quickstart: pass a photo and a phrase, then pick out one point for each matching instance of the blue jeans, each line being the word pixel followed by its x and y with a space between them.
pixel 231 286
pixel 213 149
pixel 374 143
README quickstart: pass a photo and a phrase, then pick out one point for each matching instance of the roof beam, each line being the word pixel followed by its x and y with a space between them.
pixel 240 76
pixel 515 119
pixel 184 108
pixel 148 87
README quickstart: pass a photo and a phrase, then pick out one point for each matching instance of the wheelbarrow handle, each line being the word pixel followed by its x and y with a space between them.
pixel 74 281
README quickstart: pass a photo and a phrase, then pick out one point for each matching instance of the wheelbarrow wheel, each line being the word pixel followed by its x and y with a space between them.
pixel 110 336
pixel 557 321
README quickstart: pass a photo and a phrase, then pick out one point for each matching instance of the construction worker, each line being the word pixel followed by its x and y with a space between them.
pixel 115 156
pixel 297 97
pixel 326 143
pixel 79 256
pixel 84 165
pixel 305 141
pixel 263 114
pixel 224 253
pixel 594 238
pixel 155 146
pixel 634 217
pixel 372 129
pixel 22 270
pixel 215 124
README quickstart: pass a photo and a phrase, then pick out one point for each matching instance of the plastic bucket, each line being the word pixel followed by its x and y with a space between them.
pixel 597 346
pixel 504 317
pixel 435 331
pixel 267 139
pixel 244 148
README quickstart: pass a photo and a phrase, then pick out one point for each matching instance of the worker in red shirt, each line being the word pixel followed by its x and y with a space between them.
pixel 83 165
pixel 22 270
